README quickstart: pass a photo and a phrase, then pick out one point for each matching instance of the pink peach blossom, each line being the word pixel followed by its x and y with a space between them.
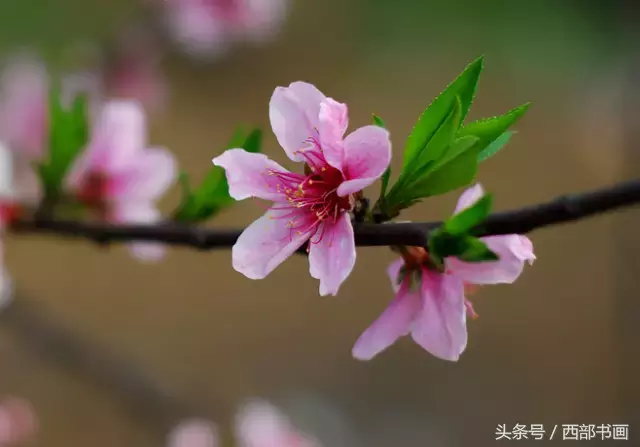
pixel 131 70
pixel 208 27
pixel 311 207
pixel 434 308
pixel 260 424
pixel 119 176
pixel 23 108
pixel 12 194
pixel 18 422
pixel 194 433
pixel 24 124
pixel 24 103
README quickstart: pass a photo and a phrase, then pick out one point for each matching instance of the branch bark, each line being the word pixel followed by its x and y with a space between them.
pixel 560 210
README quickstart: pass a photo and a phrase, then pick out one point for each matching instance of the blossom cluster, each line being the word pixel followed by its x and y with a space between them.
pixel 314 209
pixel 258 423
pixel 115 176
pixel 118 176
pixel 210 27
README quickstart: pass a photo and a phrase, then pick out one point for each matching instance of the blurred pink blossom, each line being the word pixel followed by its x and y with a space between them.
pixel 131 70
pixel 257 424
pixel 194 433
pixel 313 206
pixel 260 424
pixel 434 308
pixel 18 422
pixel 24 101
pixel 9 209
pixel 118 176
pixel 208 27
pixel 23 105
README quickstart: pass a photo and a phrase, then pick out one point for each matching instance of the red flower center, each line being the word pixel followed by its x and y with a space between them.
pixel 228 10
pixel 93 189
pixel 313 197
pixel 9 212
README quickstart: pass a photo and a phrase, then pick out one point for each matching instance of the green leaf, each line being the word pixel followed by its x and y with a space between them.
pixel 183 180
pixel 462 246
pixel 378 121
pixel 440 148
pixel 387 173
pixel 456 173
pixel 495 146
pixel 252 143
pixel 457 148
pixel 212 195
pixel 237 139
pixel 432 118
pixel 470 217
pixel 476 251
pixel 490 129
pixel 385 182
pixel 68 136
pixel 441 140
pixel 456 169
pixel 442 244
pixel 458 166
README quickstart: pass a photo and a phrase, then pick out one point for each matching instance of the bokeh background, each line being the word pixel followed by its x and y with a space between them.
pixel 559 346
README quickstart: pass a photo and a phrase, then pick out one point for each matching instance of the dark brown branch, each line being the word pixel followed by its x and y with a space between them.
pixel 520 221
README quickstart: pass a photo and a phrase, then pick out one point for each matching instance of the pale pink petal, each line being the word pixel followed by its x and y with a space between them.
pixel 144 84
pixel 120 132
pixel 441 325
pixel 513 250
pixel 148 177
pixel 197 29
pixel 18 179
pixel 470 196
pixel 309 99
pixel 194 433
pixel 331 259
pixel 133 69
pixel 139 213
pixel 265 244
pixel 82 167
pixel 148 251
pixel 393 271
pixel 6 435
pixel 28 188
pixel 7 168
pixel 367 154
pixel 249 175
pixel 262 17
pixel 260 424
pixel 395 322
pixel 524 250
pixel 333 123
pixel 294 116
pixel 118 138
pixel 23 112
pixel 18 422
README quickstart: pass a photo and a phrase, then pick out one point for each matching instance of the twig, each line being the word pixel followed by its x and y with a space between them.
pixel 520 221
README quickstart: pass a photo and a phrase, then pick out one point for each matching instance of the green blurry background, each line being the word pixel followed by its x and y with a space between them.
pixel 557 347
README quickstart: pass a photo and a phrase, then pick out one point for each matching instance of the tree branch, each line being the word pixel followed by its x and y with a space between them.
pixel 520 221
